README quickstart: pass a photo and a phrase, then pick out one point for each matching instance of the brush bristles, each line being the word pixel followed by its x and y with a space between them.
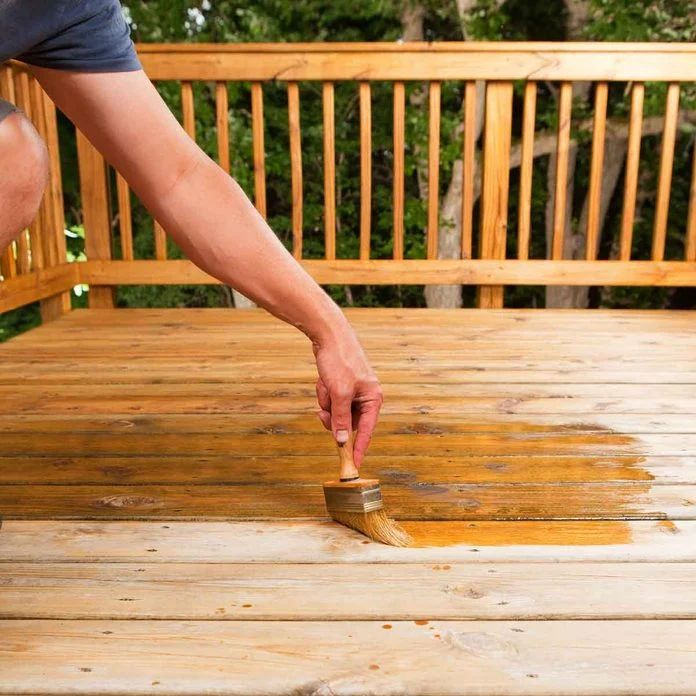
pixel 375 525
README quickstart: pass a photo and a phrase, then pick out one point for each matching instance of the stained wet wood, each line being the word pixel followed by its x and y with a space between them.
pixel 209 414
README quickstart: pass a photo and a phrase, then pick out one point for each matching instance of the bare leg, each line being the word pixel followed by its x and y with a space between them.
pixel 23 175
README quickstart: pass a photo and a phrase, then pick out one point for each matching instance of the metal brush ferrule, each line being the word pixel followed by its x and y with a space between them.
pixel 352 499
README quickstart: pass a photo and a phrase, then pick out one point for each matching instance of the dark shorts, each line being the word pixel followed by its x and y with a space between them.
pixel 80 35
pixel 6 108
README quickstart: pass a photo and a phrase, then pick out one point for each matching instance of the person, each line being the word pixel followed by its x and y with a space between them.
pixel 83 56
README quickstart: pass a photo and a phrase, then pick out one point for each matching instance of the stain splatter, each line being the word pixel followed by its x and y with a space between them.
pixel 668 527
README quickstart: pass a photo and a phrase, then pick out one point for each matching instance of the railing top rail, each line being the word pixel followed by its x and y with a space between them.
pixel 436 61
pixel 423 46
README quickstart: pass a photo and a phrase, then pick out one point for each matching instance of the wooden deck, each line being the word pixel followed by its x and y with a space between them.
pixel 164 529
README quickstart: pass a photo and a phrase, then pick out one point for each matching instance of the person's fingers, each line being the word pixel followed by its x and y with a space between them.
pixel 369 414
pixel 323 397
pixel 341 414
pixel 324 401
pixel 325 418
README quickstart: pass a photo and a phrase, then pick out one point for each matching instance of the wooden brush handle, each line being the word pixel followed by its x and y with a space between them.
pixel 348 470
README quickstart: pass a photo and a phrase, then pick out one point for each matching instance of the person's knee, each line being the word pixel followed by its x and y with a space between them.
pixel 23 169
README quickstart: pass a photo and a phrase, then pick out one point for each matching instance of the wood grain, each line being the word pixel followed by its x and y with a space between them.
pixel 257 135
pixel 565 105
pixel 222 126
pixel 496 183
pixel 664 184
pixel 345 592
pixel 500 656
pixel 329 171
pixel 322 541
pixel 596 168
pixel 526 167
pixel 95 214
pixel 365 168
pixel 481 60
pixel 399 106
pixel 295 167
pixel 434 92
pixel 631 176
pixel 417 271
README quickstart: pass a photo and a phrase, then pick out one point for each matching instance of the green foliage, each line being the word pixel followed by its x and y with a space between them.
pixel 19 320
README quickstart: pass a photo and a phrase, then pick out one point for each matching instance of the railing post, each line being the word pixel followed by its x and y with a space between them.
pixel 95 214
pixel 52 236
pixel 495 183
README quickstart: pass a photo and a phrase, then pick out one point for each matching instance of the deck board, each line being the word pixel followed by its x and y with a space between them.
pixel 342 592
pixel 164 530
pixel 347 657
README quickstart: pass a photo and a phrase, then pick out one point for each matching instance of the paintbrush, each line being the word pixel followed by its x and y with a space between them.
pixel 357 503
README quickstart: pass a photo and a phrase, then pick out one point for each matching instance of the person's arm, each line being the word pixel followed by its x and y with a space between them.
pixel 217 227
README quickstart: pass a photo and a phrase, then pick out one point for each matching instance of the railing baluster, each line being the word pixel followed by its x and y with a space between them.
pixel 495 183
pixel 187 109
pixel 23 262
pixel 52 238
pixel 635 128
pixel 31 254
pixel 8 266
pixel 669 135
pixel 158 233
pixel 468 165
pixel 160 241
pixel 398 182
pixel 690 241
pixel 329 172
pixel 562 154
pixel 526 170
pixel 6 83
pixel 95 215
pixel 365 169
pixel 295 166
pixel 222 126
pixel 433 168
pixel 258 145
pixel 124 218
pixel 596 167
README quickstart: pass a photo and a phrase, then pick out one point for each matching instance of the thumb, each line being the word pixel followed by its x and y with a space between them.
pixel 341 415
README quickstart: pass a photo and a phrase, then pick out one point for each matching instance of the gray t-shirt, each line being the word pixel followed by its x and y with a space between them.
pixel 80 35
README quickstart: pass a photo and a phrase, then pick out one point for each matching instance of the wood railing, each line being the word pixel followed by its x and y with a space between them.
pixel 483 253
pixel 34 266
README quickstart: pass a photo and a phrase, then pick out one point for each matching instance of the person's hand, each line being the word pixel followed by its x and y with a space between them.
pixel 348 391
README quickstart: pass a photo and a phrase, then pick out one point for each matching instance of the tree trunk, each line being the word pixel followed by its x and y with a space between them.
pixel 560 295
pixel 614 158
pixel 450 235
